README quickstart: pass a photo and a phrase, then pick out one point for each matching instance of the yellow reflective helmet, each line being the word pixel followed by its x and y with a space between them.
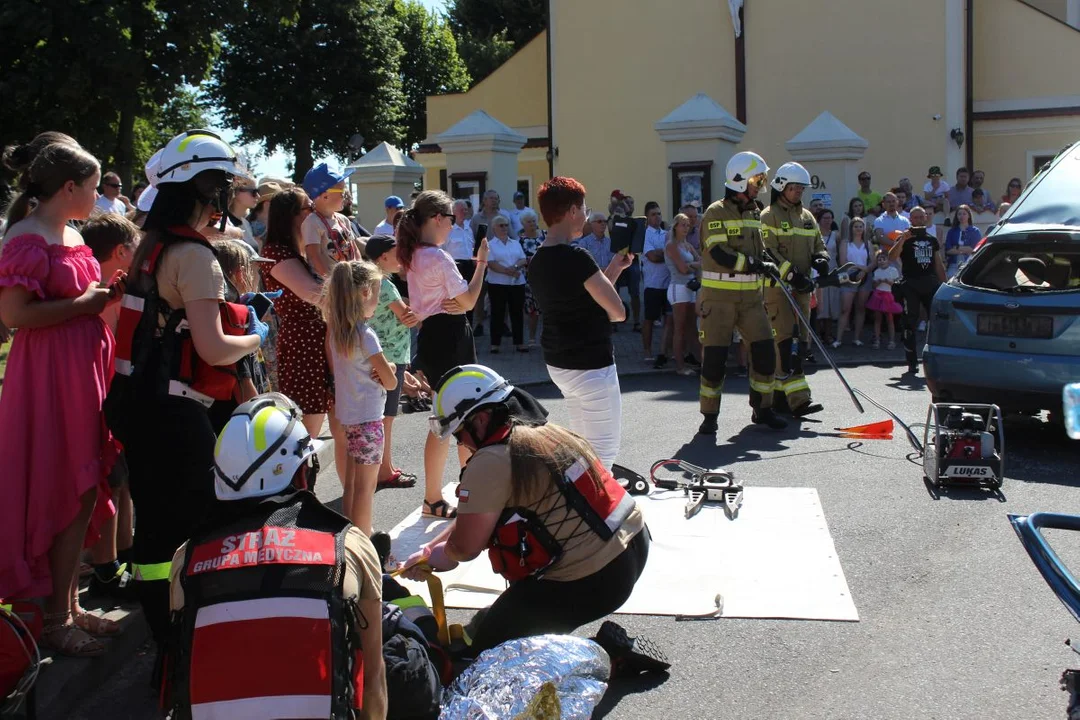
pixel 260 449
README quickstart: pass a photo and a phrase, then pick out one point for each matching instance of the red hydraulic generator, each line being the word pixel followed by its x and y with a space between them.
pixel 964 445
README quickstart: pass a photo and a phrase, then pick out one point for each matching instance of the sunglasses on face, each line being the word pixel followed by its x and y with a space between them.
pixel 449 215
pixel 253 191
pixel 115 185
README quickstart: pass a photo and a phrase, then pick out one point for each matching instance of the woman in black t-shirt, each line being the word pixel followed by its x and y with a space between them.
pixel 922 271
pixel 579 302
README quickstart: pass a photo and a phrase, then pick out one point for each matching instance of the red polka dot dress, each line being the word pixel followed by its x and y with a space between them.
pixel 303 372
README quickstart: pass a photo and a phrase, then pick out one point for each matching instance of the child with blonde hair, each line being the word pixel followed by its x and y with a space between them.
pixel 362 376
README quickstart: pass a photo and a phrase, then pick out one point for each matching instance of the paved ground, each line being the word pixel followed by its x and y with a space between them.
pixel 956 622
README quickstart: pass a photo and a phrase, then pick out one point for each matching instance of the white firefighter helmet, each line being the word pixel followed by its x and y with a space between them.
pixel 193 152
pixel 461 391
pixel 260 449
pixel 788 173
pixel 153 165
pixel 741 168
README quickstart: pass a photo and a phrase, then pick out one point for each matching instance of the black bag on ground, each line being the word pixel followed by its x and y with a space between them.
pixel 413 689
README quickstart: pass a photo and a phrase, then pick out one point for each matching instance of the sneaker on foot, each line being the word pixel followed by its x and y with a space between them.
pixel 836 344
pixel 922 326
pixel 686 371
pixel 691 360
pixel 661 361
pixel 891 345
pixel 766 416
pixel 630 656
pixel 877 344
pixel 858 343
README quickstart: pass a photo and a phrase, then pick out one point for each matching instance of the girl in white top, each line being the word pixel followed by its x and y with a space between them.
pixel 858 252
pixel 362 376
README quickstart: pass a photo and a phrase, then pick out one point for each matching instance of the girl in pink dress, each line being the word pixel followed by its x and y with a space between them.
pixel 56 449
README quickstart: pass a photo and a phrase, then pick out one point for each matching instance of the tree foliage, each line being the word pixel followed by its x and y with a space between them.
pixel 306 75
pixel 93 68
pixel 430 64
pixel 488 32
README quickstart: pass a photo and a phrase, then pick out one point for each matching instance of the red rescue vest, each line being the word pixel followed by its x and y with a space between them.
pixel 265 630
pixel 153 340
pixel 522 546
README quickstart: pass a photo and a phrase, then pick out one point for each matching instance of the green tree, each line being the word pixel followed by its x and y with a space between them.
pixel 430 64
pixel 93 68
pixel 488 32
pixel 306 75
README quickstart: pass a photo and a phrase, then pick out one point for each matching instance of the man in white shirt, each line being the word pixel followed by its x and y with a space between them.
pixel 514 214
pixel 935 191
pixel 657 278
pixel 391 205
pixel 890 222
pixel 111 201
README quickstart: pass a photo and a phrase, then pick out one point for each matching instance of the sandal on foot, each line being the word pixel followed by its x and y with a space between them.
pixel 95 624
pixel 440 509
pixel 397 480
pixel 65 638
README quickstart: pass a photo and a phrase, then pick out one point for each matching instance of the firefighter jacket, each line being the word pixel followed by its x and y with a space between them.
pixel 737 234
pixel 791 233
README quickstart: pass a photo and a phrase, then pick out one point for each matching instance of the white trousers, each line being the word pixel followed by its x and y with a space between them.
pixel 594 402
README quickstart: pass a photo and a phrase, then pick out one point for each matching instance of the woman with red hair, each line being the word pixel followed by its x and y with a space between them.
pixel 579 302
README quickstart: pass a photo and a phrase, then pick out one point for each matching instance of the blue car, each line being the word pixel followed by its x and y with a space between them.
pixel 1006 329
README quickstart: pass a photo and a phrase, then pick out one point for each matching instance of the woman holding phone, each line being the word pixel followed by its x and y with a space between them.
pixel 440 297
pixel 579 303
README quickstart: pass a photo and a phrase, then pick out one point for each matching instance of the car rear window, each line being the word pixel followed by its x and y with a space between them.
pixel 1053 197
pixel 1024 267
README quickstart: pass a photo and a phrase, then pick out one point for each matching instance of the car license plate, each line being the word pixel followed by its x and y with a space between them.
pixel 1017 326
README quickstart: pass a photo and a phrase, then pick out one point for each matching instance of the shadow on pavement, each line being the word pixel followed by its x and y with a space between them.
pixel 621 687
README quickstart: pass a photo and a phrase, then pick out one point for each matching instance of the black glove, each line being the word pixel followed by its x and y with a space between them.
pixel 762 267
pixel 800 283
pixel 821 264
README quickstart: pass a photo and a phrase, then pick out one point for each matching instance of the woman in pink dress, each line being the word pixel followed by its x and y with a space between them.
pixel 56 449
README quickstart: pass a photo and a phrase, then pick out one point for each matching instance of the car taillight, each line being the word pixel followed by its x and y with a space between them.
pixel 979 244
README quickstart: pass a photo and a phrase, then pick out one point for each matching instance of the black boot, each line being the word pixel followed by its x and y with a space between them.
pixel 766 416
pixel 630 656
pixel 912 363
pixel 808 409
pixel 708 425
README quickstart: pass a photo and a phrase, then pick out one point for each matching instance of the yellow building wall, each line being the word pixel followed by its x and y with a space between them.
pixel 1003 148
pixel 515 94
pixel 1039 58
pixel 532 164
pixel 616 74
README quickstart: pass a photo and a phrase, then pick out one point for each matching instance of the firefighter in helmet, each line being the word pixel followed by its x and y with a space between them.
pixel 793 240
pixel 273 573
pixel 177 342
pixel 733 269
pixel 555 523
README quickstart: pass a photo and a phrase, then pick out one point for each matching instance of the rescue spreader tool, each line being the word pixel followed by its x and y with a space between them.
pixel 703 485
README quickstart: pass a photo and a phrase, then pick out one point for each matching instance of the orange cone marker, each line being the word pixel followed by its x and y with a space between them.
pixel 885 427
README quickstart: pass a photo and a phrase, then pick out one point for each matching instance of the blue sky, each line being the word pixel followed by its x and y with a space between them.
pixel 277 163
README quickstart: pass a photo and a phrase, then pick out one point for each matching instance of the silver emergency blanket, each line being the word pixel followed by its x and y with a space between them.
pixel 504 680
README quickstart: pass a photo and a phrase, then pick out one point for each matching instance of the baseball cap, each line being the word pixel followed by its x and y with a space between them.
pixel 322 177
pixel 378 245
pixel 393 202
pixel 518 194
pixel 934 170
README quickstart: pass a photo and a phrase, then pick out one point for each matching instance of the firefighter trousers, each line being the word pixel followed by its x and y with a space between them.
pixel 722 312
pixel 170 455
pixel 790 380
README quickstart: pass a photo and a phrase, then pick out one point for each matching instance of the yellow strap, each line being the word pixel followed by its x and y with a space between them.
pixel 761 387
pixel 709 391
pixel 714 240
pixel 152 571
pixel 785 267
pixel 793 386
pixel 410 601
pixel 731 285
pixel 740 263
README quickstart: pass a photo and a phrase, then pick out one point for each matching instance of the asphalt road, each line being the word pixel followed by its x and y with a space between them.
pixel 955 620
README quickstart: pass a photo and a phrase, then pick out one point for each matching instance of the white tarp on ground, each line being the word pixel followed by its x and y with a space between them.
pixel 776 560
